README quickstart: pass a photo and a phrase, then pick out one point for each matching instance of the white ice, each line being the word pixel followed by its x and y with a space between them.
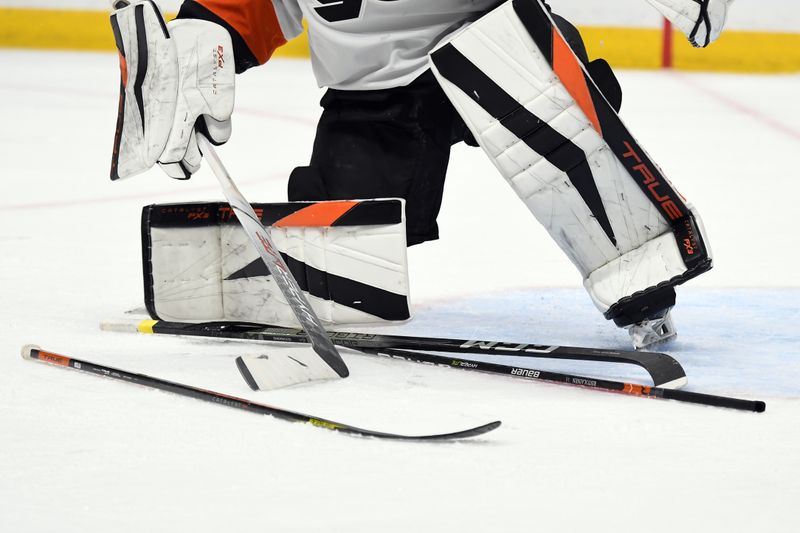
pixel 80 453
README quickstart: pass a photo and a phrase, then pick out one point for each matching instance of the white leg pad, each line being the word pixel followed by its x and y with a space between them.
pixel 562 148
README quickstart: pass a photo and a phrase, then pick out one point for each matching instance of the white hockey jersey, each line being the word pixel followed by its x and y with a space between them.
pixel 355 44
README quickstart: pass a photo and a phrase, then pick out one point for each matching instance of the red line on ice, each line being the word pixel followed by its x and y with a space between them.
pixel 740 107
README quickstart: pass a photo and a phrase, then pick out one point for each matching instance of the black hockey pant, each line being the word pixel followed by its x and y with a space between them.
pixel 396 143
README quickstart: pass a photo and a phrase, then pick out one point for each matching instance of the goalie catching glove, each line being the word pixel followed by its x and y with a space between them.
pixel 176 78
pixel 701 20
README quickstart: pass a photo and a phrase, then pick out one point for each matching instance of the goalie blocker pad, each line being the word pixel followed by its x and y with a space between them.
pixel 541 119
pixel 348 256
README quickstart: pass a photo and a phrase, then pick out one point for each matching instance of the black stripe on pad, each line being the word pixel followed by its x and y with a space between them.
pixel 141 65
pixel 341 290
pixel 196 214
pixel 537 24
pixel 560 151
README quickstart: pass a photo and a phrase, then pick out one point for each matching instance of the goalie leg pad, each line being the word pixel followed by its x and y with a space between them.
pixel 542 120
pixel 349 257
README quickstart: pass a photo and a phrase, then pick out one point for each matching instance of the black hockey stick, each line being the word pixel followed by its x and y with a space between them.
pixel 593 383
pixel 220 330
pixel 664 370
pixel 34 353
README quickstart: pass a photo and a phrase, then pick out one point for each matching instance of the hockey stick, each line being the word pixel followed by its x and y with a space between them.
pixel 664 370
pixel 157 327
pixel 593 383
pixel 271 256
pixel 32 352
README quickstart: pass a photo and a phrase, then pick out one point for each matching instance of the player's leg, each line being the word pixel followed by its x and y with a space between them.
pixel 553 132
pixel 383 143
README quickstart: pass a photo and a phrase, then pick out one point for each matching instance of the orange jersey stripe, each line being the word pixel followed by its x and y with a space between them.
pixel 321 214
pixel 256 22
pixel 571 75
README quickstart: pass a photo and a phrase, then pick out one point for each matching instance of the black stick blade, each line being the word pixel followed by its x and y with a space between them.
pixel 463 434
pixel 246 375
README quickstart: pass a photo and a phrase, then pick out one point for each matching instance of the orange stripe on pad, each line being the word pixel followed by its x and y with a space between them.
pixel 316 215
pixel 123 69
pixel 569 71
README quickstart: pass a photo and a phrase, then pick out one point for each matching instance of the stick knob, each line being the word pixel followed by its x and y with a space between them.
pixel 27 350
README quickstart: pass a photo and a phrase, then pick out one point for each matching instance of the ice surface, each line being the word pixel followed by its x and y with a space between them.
pixel 79 453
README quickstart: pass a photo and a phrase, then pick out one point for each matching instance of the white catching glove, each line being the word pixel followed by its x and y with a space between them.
pixel 175 77
pixel 701 20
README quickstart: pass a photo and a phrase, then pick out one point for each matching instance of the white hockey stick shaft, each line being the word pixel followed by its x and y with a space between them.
pixel 271 256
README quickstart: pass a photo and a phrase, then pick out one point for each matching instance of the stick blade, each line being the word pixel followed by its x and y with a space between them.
pixel 276 370
pixel 455 435
pixel 674 384
pixel 328 352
